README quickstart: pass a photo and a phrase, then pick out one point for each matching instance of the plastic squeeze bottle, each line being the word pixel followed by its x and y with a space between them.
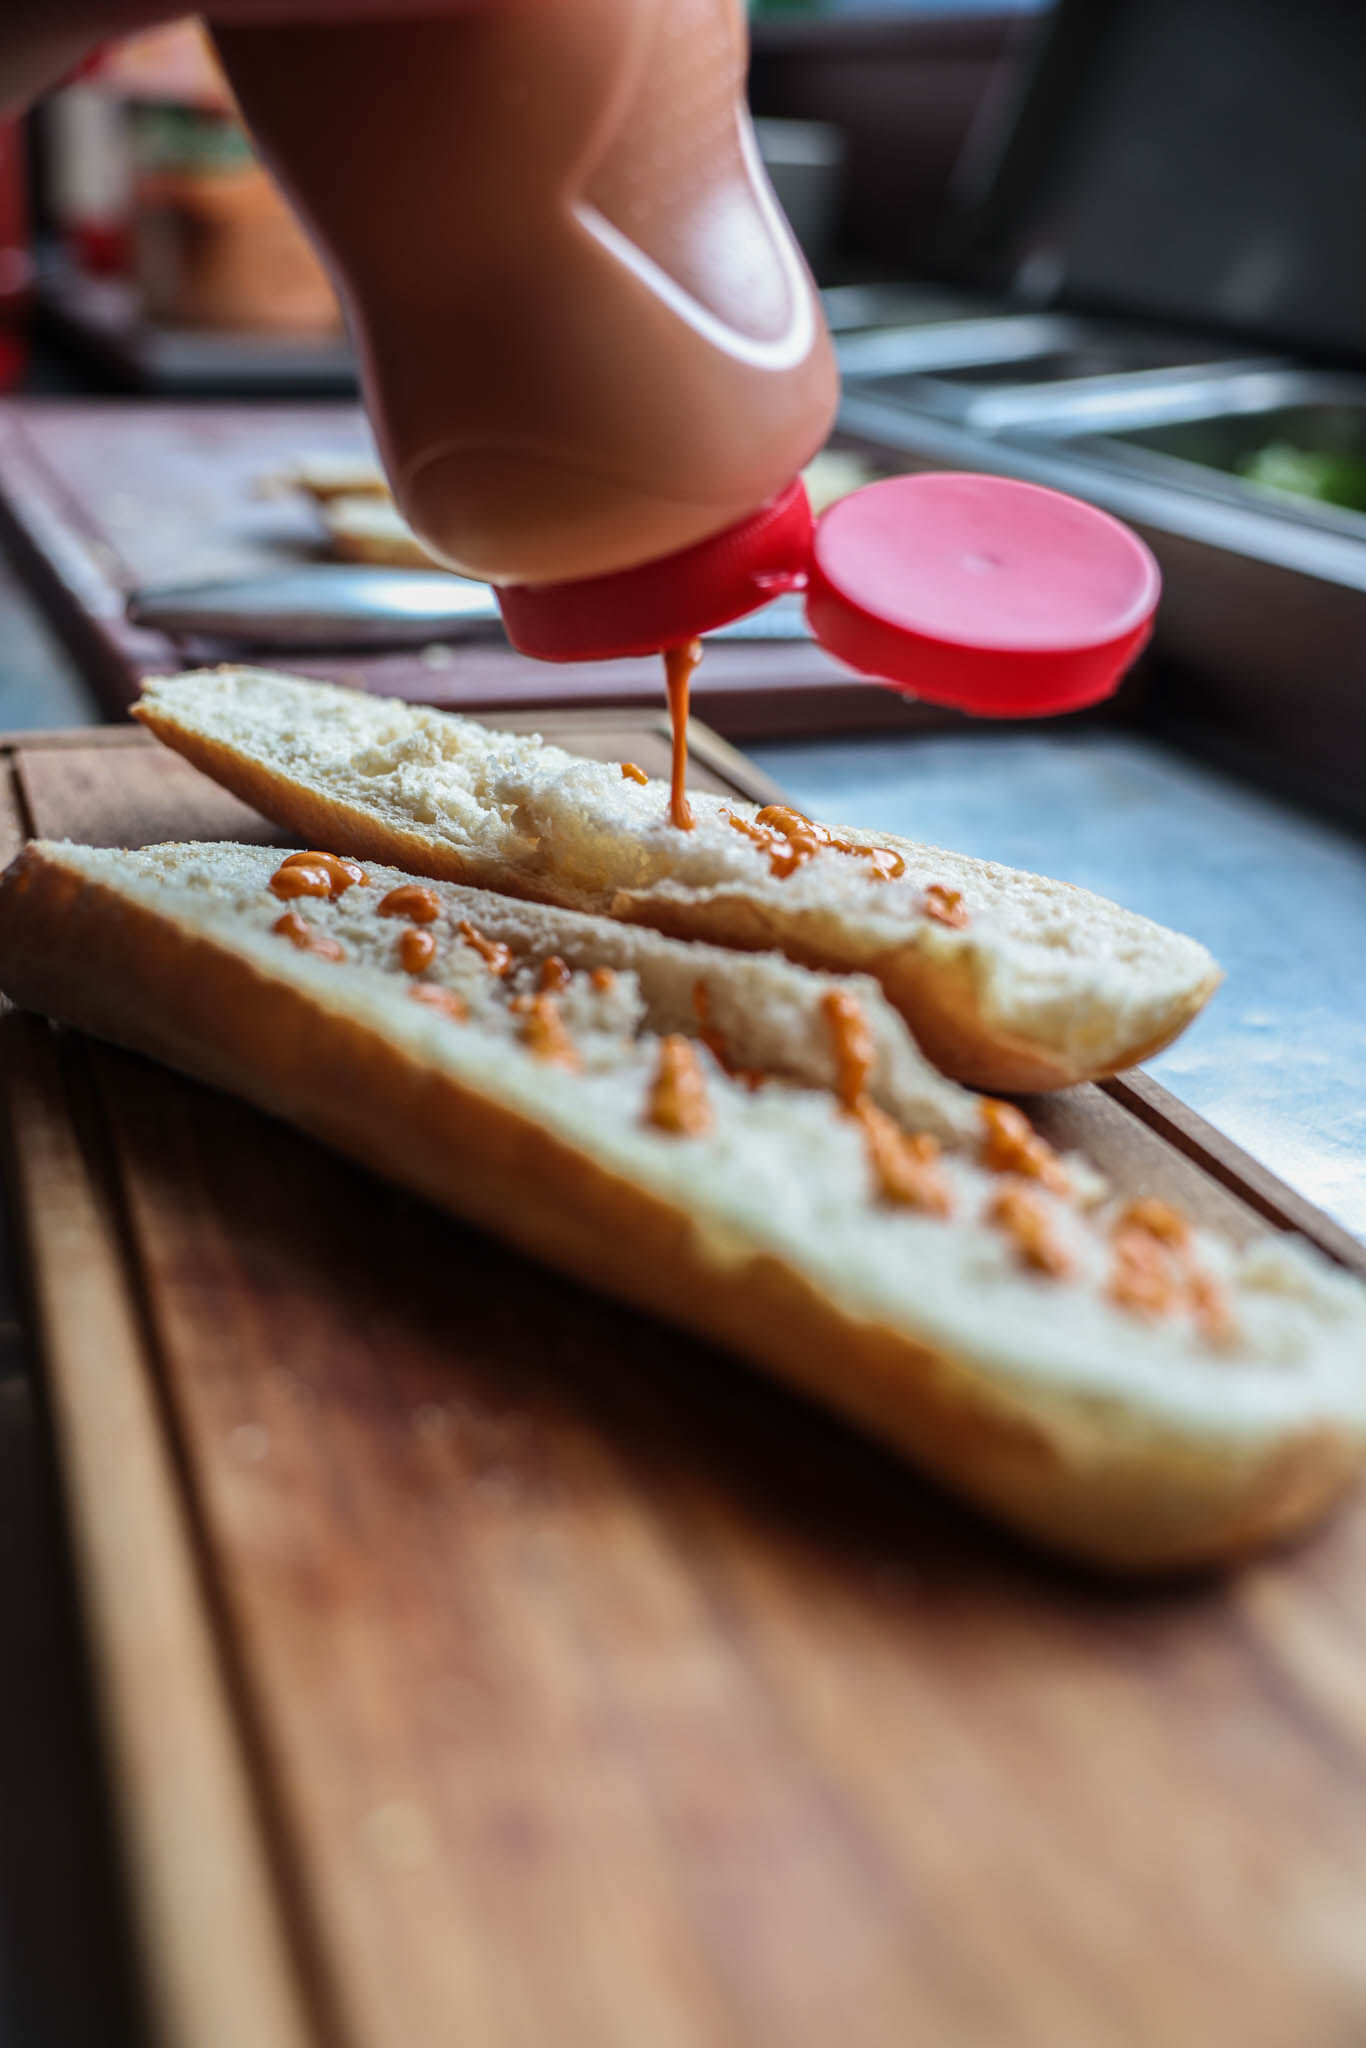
pixel 595 362
pixel 588 337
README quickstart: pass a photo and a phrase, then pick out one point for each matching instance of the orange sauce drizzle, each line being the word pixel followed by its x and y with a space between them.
pixel 1010 1144
pixel 292 927
pixel 495 956
pixel 287 883
pixel 678 1093
pixel 602 979
pixel 1145 1279
pixel 1159 1220
pixel 1016 1208
pixel 416 950
pixel 750 1077
pixel 321 874
pixel 443 999
pixel 680 664
pixel 789 839
pixel 946 906
pixel 543 1031
pixel 554 975
pixel 411 900
pixel 1210 1307
pixel 905 1166
pixel 1155 1275
pixel 854 1049
pixel 630 772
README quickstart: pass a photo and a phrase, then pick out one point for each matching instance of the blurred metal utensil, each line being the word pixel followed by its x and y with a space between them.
pixel 324 606
pixel 329 606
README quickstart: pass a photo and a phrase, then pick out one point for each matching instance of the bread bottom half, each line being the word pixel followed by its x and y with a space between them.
pixel 1102 1480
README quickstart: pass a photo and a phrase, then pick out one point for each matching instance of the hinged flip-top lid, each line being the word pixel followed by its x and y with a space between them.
pixel 998 597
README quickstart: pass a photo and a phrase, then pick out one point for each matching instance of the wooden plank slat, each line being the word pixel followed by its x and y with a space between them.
pixel 1220 1160
pixel 100 796
pixel 558 1681
pixel 214 1950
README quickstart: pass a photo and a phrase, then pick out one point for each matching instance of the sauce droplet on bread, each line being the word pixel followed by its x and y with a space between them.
pixel 1010 1144
pixel 443 999
pixel 749 1077
pixel 321 874
pixel 1018 1210
pixel 416 950
pixel 678 1094
pixel 411 900
pixel 292 927
pixel 495 956
pixel 543 1031
pixel 854 1049
pixel 946 906
pixel 904 1165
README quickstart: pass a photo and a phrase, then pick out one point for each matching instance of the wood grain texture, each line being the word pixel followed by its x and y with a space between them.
pixel 595 1692
pixel 218 1967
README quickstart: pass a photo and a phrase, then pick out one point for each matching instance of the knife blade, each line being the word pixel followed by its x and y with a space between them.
pixel 344 606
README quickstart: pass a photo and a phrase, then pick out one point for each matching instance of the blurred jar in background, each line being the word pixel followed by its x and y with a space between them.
pixel 214 244
pixel 16 261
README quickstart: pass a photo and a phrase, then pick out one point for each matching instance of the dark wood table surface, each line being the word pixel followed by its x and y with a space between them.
pixel 65 1978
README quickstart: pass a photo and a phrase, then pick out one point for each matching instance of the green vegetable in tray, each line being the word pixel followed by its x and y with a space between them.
pixel 1334 479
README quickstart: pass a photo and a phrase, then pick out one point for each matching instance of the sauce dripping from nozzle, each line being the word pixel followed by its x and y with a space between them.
pixel 680 664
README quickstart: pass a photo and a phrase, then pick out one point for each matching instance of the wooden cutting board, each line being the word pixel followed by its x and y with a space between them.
pixel 484 1664
pixel 100 498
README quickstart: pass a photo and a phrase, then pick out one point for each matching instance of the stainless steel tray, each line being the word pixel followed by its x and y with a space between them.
pixel 1320 412
pixel 1040 369
pixel 851 308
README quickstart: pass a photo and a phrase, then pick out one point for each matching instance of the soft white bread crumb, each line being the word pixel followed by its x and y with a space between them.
pixel 1131 1439
pixel 1043 986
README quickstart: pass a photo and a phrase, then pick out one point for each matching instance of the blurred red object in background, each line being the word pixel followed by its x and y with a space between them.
pixel 16 261
pixel 89 183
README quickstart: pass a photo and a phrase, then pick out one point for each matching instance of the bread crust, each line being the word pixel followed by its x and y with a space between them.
pixel 1131 1498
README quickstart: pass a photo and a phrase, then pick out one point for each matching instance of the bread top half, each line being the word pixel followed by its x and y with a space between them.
pixel 1009 980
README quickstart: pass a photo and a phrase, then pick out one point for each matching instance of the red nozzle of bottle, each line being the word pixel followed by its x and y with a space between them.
pixel 670 600
pixel 1000 598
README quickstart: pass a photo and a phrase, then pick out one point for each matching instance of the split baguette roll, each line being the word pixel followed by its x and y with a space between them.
pixel 1038 985
pixel 372 529
pixel 1223 1418
pixel 327 473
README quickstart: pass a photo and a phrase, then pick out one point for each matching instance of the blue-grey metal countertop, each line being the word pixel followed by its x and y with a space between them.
pixel 1278 1061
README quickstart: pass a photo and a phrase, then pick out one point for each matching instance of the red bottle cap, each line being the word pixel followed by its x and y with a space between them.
pixel 1001 598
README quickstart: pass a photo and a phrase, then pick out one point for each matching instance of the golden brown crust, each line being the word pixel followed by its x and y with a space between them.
pixel 1125 1497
